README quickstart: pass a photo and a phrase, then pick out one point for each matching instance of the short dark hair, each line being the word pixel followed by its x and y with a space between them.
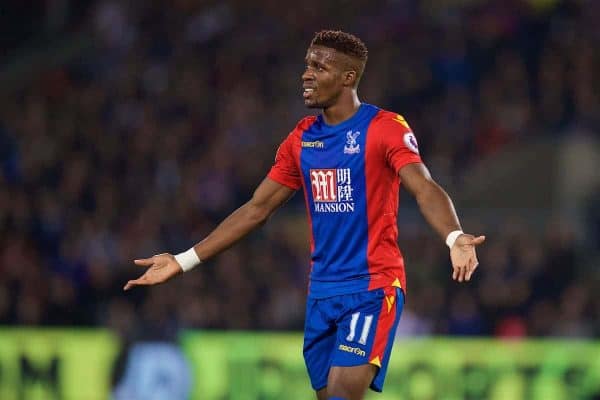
pixel 343 42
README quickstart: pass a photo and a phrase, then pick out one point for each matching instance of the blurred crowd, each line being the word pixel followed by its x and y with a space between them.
pixel 173 114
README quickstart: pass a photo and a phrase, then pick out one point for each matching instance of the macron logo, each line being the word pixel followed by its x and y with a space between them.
pixel 317 144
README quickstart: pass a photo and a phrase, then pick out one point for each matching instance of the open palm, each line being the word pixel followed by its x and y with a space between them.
pixel 464 257
pixel 161 268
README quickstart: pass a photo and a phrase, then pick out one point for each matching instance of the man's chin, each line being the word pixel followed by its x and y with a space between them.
pixel 312 104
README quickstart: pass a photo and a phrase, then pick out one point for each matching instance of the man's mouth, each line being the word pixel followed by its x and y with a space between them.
pixel 308 92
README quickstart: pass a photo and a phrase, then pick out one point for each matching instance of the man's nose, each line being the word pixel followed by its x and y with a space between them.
pixel 308 75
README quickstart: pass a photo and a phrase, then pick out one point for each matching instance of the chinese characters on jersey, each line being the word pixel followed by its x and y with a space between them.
pixel 332 190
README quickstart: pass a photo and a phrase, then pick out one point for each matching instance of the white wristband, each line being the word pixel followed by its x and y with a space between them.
pixel 451 238
pixel 188 259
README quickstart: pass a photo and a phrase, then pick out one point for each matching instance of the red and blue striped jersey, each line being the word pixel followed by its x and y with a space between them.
pixel 349 173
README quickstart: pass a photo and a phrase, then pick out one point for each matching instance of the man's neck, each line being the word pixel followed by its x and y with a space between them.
pixel 341 111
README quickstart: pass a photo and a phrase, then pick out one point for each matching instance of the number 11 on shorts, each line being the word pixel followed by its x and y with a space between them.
pixel 365 330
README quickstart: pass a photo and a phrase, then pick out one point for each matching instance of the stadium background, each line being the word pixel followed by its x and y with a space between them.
pixel 128 128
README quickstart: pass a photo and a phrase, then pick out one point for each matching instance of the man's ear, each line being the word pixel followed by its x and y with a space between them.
pixel 350 78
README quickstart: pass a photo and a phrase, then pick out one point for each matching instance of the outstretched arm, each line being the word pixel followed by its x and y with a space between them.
pixel 267 198
pixel 437 208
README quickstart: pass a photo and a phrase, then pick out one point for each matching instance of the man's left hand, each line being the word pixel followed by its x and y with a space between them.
pixel 463 256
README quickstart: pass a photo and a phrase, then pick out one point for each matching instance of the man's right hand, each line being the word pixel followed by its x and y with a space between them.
pixel 161 268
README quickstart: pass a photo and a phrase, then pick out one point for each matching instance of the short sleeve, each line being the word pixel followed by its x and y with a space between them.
pixel 285 169
pixel 399 143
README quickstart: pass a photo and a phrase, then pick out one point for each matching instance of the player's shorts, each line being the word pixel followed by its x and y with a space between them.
pixel 350 330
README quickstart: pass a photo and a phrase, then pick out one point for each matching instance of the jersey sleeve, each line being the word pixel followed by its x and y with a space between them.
pixel 399 142
pixel 285 169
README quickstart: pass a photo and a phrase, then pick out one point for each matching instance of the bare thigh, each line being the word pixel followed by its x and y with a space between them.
pixel 348 383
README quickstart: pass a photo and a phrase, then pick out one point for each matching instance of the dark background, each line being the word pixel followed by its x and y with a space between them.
pixel 132 128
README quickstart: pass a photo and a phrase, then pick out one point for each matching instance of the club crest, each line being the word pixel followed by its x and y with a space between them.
pixel 351 146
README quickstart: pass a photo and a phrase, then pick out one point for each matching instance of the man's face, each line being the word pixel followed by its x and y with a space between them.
pixel 322 79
